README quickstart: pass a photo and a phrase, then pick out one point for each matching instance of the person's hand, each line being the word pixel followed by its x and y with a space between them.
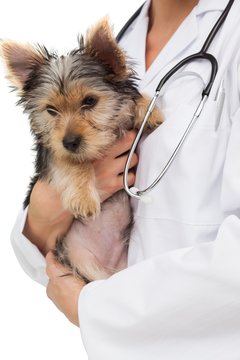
pixel 62 289
pixel 109 169
pixel 47 220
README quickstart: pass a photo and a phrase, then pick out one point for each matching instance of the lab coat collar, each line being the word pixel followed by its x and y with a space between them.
pixel 143 15
pixel 180 41
pixel 202 7
pixel 210 5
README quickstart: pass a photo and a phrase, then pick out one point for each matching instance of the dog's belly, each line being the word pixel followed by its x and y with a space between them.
pixel 98 248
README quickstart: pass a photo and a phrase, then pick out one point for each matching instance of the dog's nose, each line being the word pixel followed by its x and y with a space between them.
pixel 71 142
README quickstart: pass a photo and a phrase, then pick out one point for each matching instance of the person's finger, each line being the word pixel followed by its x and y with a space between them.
pixel 53 267
pixel 119 181
pixel 118 164
pixel 49 290
pixel 122 145
pixel 131 178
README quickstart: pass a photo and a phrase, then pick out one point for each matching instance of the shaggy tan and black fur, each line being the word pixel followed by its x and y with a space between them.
pixel 78 105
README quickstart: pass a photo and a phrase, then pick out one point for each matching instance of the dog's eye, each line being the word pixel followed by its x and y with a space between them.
pixel 52 111
pixel 89 102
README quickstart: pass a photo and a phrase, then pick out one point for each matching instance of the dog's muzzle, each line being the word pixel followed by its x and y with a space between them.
pixel 71 142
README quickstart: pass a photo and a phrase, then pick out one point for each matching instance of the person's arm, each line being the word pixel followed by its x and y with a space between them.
pixel 182 304
pixel 37 228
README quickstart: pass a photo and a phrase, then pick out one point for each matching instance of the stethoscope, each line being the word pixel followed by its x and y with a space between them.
pixel 203 55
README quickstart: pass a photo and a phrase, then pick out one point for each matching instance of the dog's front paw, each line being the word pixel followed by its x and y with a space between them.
pixel 155 119
pixel 84 207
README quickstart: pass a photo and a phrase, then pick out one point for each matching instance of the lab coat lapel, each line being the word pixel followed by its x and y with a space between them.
pixel 176 46
pixel 134 41
pixel 182 39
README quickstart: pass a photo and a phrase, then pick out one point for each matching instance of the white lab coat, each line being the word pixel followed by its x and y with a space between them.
pixel 180 296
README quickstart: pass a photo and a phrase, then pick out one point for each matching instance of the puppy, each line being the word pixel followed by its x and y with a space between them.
pixel 79 104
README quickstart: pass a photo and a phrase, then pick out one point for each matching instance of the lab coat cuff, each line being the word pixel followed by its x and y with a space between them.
pixel 28 255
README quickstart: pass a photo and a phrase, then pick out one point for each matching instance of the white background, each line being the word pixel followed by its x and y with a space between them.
pixel 30 326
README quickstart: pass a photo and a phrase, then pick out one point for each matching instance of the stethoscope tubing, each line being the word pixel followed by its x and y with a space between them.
pixel 202 55
pixel 134 192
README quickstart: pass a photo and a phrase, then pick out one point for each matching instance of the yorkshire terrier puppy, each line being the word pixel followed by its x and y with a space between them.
pixel 79 104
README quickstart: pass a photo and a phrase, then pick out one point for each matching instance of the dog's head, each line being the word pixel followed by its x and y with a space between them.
pixel 79 103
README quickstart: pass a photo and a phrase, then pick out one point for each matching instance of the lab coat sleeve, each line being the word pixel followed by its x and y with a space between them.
pixel 183 304
pixel 28 255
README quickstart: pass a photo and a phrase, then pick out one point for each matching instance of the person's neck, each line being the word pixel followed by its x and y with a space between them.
pixel 169 12
pixel 165 16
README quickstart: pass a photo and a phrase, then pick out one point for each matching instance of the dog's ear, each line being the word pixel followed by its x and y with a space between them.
pixel 20 61
pixel 101 44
